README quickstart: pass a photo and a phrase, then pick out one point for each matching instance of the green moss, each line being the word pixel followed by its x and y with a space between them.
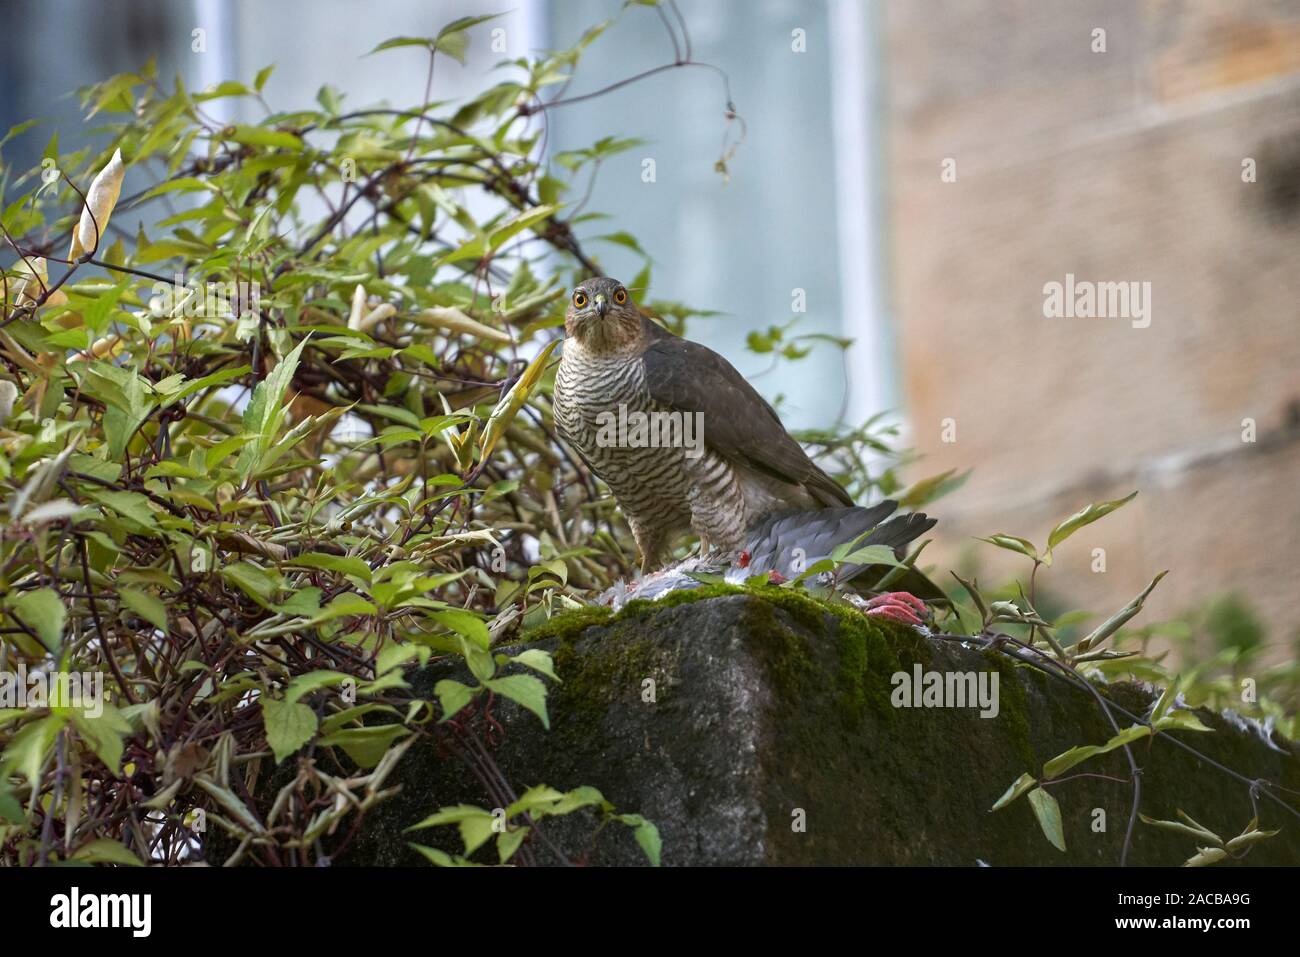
pixel 568 625
pixel 812 649
pixel 640 607
pixel 1013 707
pixel 784 655
pixel 868 651
pixel 852 677
pixel 588 688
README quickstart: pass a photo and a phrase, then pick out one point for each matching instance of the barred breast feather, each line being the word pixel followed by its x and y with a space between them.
pixel 663 491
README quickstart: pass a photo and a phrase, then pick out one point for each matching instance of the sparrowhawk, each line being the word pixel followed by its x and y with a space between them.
pixel 686 444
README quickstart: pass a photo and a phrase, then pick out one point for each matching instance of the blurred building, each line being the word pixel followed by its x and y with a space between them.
pixel 1113 141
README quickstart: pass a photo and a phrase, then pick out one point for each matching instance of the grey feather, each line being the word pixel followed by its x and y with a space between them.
pixel 774 543
pixel 738 422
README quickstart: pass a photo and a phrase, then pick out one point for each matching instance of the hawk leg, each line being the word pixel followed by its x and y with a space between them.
pixel 652 544
pixel 718 517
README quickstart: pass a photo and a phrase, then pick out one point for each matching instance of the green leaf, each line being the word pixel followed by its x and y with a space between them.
pixel 103 850
pixel 476 831
pixel 1067 760
pixel 206 382
pixel 348 603
pixel 451 39
pixel 11 809
pixel 538 660
pixel 821 567
pixel 1198 833
pixel 104 733
pixel 465 623
pixel 509 842
pixel 1181 720
pixel 1085 516
pixel 1248 837
pixel 397 42
pixel 131 505
pixel 1018 787
pixel 29 746
pixel 312 681
pixel 146 606
pixel 257 583
pixel 344 565
pixel 304 603
pixel 348 716
pixel 540 796
pixel 448 815
pixel 578 798
pixel 524 690
pixel 1048 813
pixel 262 136
pixel 453 696
pixel 481 664
pixel 514 400
pixel 97 312
pixel 475 824
pixel 929 489
pixel 289 726
pixel 229 800
pixel 42 611
pixel 1116 621
pixel 1205 856
pixel 871 555
pixel 441 858
pixel 1166 699
pixel 224 449
pixel 266 408
pixel 366 746
pixel 395 654
pixel 1012 543
pixel 223 89
pixel 647 836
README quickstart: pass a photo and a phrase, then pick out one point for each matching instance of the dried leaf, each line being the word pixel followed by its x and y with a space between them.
pixel 100 200
pixel 453 320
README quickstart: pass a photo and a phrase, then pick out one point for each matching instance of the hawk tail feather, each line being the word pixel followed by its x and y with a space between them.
pixel 790 541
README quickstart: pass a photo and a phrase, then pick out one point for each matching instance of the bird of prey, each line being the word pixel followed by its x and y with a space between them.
pixel 686 444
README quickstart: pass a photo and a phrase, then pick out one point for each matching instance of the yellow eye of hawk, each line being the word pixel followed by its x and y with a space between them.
pixel 579 298
pixel 620 296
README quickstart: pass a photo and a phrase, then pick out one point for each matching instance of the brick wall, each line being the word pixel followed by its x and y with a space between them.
pixel 1123 165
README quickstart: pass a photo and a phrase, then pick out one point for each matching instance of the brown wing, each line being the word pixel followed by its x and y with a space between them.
pixel 738 422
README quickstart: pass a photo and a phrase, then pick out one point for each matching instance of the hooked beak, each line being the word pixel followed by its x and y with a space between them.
pixel 602 304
